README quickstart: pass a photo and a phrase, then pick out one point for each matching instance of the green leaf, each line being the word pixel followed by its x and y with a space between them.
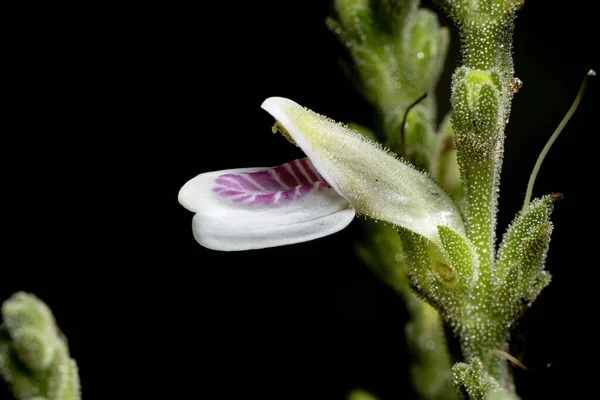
pixel 520 275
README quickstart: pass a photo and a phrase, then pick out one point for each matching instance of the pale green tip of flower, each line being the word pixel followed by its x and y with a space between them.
pixel 370 177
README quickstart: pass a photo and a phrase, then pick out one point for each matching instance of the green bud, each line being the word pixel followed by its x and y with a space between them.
pixel 477 112
pixel 375 79
pixel 63 379
pixel 396 12
pixel 356 17
pixel 424 47
pixel 34 357
pixel 32 328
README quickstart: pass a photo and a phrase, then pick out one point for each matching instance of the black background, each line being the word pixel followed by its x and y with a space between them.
pixel 112 108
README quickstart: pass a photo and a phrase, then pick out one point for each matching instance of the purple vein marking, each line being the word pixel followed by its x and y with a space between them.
pixel 271 186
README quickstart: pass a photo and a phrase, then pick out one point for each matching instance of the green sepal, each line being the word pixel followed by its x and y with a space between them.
pixel 420 270
pixel 430 275
pixel 520 275
pixel 463 259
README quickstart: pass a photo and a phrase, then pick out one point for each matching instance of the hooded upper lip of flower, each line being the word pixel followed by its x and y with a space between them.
pixel 308 198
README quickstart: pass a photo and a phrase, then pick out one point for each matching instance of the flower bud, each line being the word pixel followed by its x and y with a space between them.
pixel 356 17
pixel 477 115
pixel 32 329
pixel 424 48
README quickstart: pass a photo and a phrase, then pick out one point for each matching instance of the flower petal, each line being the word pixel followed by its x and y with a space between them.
pixel 254 208
pixel 373 180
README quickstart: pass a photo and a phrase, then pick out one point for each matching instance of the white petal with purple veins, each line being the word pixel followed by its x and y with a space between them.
pixel 253 208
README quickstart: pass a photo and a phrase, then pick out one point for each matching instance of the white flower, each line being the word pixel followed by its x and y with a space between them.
pixel 305 199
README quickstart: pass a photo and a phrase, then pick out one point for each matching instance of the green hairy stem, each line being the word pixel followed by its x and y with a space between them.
pixel 482 89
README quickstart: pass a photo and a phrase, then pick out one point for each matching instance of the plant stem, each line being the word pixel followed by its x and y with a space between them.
pixel 482 90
